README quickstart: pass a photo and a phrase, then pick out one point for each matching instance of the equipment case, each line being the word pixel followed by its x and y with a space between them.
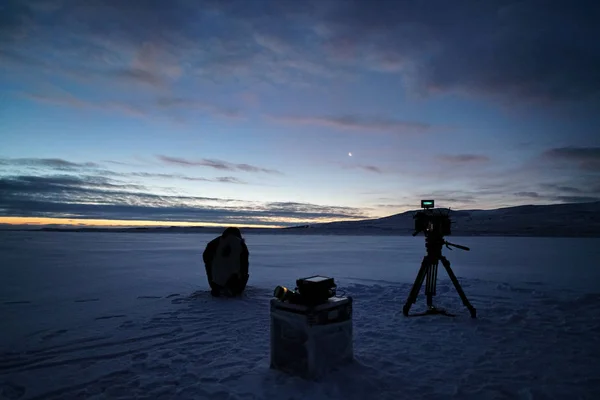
pixel 310 341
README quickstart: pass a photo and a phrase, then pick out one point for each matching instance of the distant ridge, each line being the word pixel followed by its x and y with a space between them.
pixel 570 220
pixel 565 220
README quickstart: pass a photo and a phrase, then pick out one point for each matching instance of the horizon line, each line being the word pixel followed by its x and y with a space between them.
pixel 124 223
pixel 120 223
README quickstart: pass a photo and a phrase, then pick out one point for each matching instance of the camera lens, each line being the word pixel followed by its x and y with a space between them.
pixel 280 292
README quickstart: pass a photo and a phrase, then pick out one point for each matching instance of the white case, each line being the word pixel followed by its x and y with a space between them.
pixel 310 342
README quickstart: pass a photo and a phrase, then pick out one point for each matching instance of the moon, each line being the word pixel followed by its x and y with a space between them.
pixel 349 154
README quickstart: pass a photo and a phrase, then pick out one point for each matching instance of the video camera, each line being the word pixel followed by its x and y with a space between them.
pixel 432 222
pixel 435 224
pixel 310 291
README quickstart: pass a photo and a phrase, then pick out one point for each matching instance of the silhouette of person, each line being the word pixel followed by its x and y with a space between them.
pixel 226 260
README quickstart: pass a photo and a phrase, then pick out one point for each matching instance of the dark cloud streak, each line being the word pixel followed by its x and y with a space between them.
pixel 574 153
pixel 368 168
pixel 586 158
pixel 142 109
pixel 215 164
pixel 558 198
pixel 463 158
pixel 57 164
pixel 100 197
pixel 54 163
pixel 137 75
pixel 222 179
pixel 72 101
pixel 353 122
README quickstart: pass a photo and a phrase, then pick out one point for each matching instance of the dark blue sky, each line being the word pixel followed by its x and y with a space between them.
pixel 245 111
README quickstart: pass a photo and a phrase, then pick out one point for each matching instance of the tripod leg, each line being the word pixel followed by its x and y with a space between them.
pixel 430 284
pixel 414 292
pixel 461 293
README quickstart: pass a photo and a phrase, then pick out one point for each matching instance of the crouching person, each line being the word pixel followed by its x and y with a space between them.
pixel 226 262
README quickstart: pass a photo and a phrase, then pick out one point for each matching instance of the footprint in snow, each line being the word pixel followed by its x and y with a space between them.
pixel 12 391
pixel 86 300
pixel 10 303
pixel 54 334
pixel 110 317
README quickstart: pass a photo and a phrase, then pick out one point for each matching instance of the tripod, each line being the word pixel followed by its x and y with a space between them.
pixel 429 269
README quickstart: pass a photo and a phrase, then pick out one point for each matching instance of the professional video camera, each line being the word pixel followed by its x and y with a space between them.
pixel 310 291
pixel 435 224
pixel 432 222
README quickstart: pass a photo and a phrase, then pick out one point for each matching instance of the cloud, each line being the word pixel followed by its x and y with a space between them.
pixel 558 198
pixel 13 58
pixel 222 179
pixel 352 122
pixel 400 206
pixel 137 75
pixel 576 199
pixel 57 164
pixel 216 164
pixel 463 158
pixel 100 197
pixel 249 99
pixel 563 189
pixel 554 175
pixel 156 46
pixel 586 158
pixel 146 109
pixel 533 181
pixel 450 197
pixel 54 163
pixel 521 49
pixel 574 153
pixel 371 168
pixel 531 195
pixel 71 101
pixel 64 185
pixel 180 161
pixel 443 198
pixel 186 103
pixel 368 168
pixel 82 74
pixel 117 162
pixel 538 182
pixel 272 43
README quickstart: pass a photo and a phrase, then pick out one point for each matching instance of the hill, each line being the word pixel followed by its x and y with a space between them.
pixel 566 220
pixel 570 220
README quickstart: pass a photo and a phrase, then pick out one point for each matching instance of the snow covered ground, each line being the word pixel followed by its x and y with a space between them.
pixel 97 315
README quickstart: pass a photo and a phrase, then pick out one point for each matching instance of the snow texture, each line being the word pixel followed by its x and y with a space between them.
pixel 121 316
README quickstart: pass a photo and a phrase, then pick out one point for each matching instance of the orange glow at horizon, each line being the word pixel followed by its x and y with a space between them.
pixel 117 223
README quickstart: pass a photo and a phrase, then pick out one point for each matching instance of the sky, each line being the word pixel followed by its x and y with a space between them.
pixel 286 112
